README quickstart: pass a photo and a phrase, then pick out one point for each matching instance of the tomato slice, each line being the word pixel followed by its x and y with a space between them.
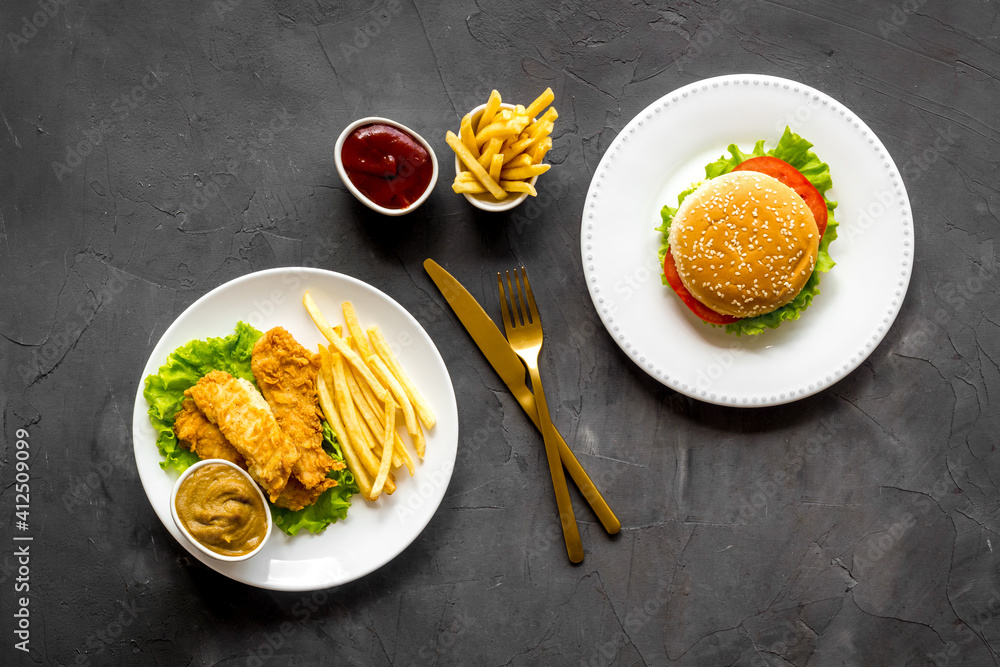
pixel 697 307
pixel 794 179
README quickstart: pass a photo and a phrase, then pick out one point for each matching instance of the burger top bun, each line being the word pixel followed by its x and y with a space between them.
pixel 744 243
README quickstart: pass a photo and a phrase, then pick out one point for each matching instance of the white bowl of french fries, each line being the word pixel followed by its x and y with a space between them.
pixel 499 151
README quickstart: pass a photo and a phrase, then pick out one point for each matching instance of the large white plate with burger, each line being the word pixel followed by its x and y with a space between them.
pixel 662 153
pixel 372 533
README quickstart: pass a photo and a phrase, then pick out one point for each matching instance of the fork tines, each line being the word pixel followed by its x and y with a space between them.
pixel 522 316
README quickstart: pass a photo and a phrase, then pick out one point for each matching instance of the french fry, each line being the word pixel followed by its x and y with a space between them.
pixel 354 463
pixel 401 456
pixel 519 186
pixel 342 347
pixel 542 101
pixel 387 448
pixel 492 104
pixel 505 148
pixel 465 156
pixel 348 414
pixel 497 130
pixel 523 147
pixel 369 438
pixel 539 150
pixel 376 411
pixel 372 414
pixel 397 390
pixel 520 119
pixel 355 432
pixel 468 135
pixel 549 116
pixel 326 365
pixel 475 188
pixel 382 349
pixel 521 173
pixel 542 131
pixel 492 148
pixel 468 187
pixel 521 160
pixel 495 166
pixel 374 405
pixel 373 438
pixel 351 318
pixel 362 406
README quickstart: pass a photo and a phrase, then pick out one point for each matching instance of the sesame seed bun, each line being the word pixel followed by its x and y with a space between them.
pixel 744 243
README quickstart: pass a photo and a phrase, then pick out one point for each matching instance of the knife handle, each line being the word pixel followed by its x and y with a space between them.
pixel 586 486
pixel 573 467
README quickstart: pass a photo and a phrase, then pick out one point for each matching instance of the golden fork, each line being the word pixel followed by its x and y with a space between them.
pixel 525 338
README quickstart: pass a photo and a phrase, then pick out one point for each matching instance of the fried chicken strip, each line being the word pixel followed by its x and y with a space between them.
pixel 246 421
pixel 296 497
pixel 195 432
pixel 286 374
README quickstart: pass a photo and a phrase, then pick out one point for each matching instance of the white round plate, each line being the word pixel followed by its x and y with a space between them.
pixel 659 154
pixel 374 532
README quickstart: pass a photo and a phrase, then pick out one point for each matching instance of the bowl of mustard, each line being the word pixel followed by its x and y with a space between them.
pixel 220 510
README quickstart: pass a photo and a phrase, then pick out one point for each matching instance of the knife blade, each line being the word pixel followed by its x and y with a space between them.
pixel 509 367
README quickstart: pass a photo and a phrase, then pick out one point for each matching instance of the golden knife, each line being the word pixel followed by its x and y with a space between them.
pixel 511 370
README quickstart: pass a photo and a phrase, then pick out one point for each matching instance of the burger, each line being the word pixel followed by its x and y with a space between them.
pixel 744 244
pixel 744 248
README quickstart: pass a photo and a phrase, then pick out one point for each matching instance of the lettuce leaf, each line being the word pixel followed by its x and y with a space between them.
pixel 185 366
pixel 794 150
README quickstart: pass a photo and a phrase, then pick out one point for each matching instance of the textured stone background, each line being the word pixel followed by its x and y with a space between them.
pixel 853 527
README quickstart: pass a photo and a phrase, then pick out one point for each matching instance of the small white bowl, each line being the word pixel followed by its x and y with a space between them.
pixel 354 189
pixel 190 538
pixel 486 201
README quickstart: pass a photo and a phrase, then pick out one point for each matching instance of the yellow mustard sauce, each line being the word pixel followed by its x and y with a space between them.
pixel 221 509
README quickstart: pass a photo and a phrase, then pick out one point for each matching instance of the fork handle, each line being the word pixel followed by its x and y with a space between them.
pixel 573 467
pixel 571 533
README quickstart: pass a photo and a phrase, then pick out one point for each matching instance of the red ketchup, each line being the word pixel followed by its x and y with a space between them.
pixel 387 164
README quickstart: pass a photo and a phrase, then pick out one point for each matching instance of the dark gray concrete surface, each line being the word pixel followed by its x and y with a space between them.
pixel 854 527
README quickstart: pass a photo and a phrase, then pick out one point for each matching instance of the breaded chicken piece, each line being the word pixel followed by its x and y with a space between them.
pixel 295 496
pixel 286 374
pixel 244 418
pixel 202 437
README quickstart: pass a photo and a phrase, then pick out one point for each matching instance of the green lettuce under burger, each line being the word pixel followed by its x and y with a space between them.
pixel 164 392
pixel 795 151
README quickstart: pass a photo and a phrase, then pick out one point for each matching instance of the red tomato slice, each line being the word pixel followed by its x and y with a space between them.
pixel 794 179
pixel 697 307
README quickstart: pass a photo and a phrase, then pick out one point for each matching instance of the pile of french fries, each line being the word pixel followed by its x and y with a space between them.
pixel 502 149
pixel 361 386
